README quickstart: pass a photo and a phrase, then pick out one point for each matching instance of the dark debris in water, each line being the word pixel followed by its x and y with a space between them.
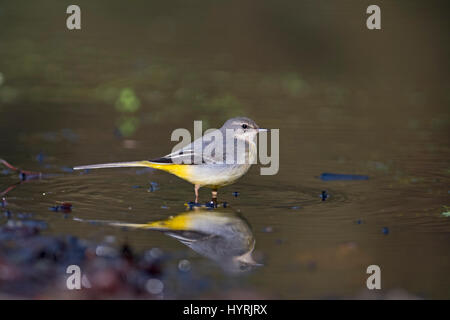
pixel 154 186
pixel 209 205
pixel 65 207
pixel 35 266
pixel 324 195
pixel 339 176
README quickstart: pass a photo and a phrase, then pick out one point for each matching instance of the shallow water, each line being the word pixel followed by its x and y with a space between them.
pixel 115 91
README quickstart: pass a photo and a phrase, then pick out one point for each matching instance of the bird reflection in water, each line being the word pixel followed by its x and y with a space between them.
pixel 220 235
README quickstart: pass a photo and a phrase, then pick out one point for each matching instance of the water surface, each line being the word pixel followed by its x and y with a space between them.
pixel 346 100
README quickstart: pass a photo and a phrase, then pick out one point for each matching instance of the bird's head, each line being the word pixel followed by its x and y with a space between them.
pixel 244 128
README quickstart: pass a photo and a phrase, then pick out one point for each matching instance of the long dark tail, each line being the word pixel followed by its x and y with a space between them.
pixel 143 163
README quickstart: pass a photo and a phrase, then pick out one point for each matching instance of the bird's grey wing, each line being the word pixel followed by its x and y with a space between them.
pixel 196 152
pixel 188 237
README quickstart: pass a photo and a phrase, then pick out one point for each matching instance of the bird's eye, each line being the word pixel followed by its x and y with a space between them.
pixel 244 126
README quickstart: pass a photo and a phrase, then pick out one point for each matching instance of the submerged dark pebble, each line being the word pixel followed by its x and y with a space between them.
pixel 126 252
pixel 191 205
pixel 30 176
pixel 324 195
pixel 153 186
pixel 3 203
pixel 65 207
pixel 338 176
pixel 211 204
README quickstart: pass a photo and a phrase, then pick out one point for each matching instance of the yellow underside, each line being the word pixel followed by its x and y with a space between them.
pixel 180 170
pixel 181 222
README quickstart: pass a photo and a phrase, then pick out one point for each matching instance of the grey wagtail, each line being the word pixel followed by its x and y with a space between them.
pixel 214 170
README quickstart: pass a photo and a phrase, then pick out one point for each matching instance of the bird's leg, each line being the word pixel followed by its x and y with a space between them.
pixel 214 196
pixel 196 187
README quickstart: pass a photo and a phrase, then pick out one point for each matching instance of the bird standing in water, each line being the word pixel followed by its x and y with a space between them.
pixel 217 159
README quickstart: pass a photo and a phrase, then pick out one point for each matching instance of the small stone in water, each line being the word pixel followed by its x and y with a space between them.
pixel 66 206
pixel 153 187
pixel 324 195
pixel 155 253
pixel 211 205
pixel 184 265
pixel 191 205
pixel 40 157
pixel 154 286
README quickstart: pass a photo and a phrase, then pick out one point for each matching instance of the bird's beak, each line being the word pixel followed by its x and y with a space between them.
pixel 263 130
